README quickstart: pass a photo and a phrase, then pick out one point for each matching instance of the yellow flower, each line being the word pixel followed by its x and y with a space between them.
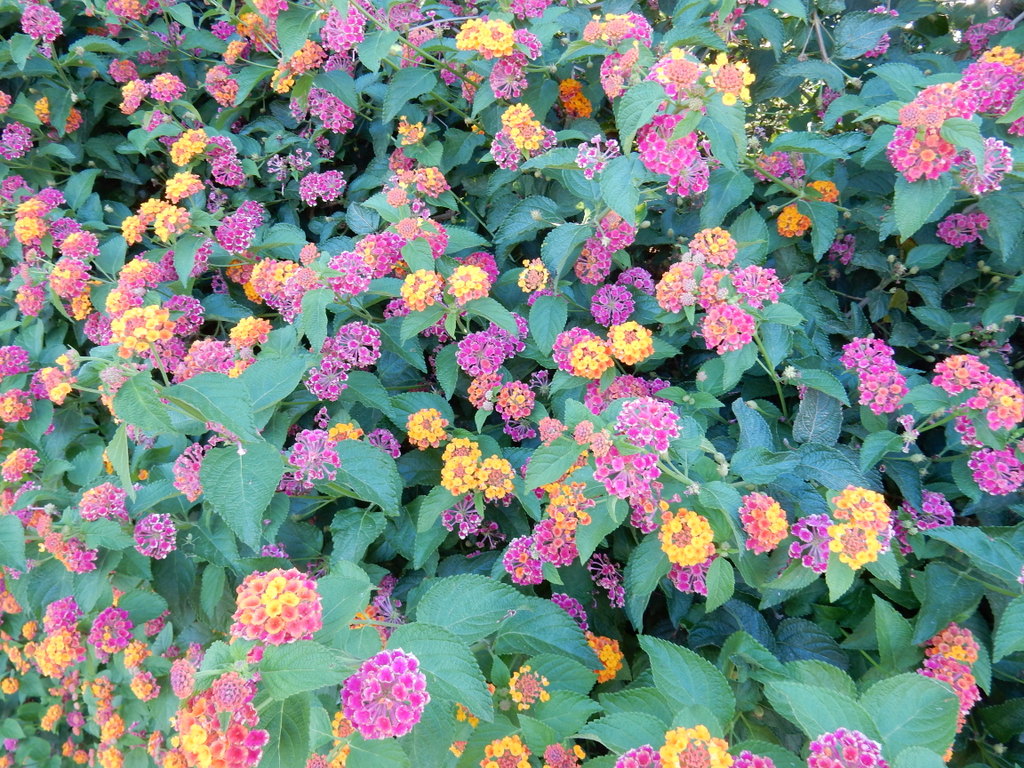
pixel 694 748
pixel 468 282
pixel 425 428
pixel 686 537
pixel 630 342
pixel 188 146
pixel 182 185
pixel 730 79
pixel 854 544
pixel 608 653
pixel 422 289
pixel 491 39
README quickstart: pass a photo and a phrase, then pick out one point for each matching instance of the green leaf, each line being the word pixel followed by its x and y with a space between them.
pixel 404 86
pixel 375 47
pixel 876 446
pixel 637 106
pixel 378 753
pixel 858 32
pixel 817 709
pixel 965 135
pixel 547 319
pixel 312 322
pixel 919 202
pixel 726 190
pixel 819 419
pixel 21 46
pixel 12 543
pixel 1009 636
pixel 621 731
pixel 646 567
pixel 490 309
pixel 540 626
pixel 370 474
pixel 918 757
pixel 452 673
pixel 215 397
pixel 895 637
pixel 549 462
pixel 721 583
pixel 911 710
pixel 239 487
pixel 300 666
pixel 824 221
pixel 293 28
pixel 287 722
pixel 138 403
pixel 823 381
pixel 559 247
pixel 946 595
pixel 724 126
pixel 344 593
pixel 212 589
pixel 117 453
pixel 470 606
pixel 689 679
pixel 988 553
pixel 447 369
pixel 619 188
pixel 271 379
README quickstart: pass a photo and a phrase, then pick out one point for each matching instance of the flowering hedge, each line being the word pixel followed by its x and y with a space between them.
pixel 511 384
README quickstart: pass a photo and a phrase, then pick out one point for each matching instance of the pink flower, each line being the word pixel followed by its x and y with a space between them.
pixel 106 501
pixel 111 631
pixel 640 757
pixel 811 547
pixel 727 328
pixel 42 22
pixel 959 229
pixel 996 472
pixel 648 423
pixel 679 159
pixel 385 698
pixel 327 187
pixel 845 748
pixel 154 536
pixel 882 387
pixel 277 607
pixel 522 561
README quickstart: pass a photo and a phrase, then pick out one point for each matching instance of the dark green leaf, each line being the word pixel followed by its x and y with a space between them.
pixel 239 486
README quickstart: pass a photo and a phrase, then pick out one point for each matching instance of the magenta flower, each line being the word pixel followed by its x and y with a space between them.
pixel 845 748
pixel 386 697
pixel 155 536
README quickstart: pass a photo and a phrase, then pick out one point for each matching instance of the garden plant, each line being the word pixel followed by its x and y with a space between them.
pixel 511 383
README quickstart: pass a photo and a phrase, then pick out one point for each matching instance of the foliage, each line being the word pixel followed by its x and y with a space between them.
pixel 502 384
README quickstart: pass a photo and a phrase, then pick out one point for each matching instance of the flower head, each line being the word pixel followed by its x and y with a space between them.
pixel 277 607
pixel 385 698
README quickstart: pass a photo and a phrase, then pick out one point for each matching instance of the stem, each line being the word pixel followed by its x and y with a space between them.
pixel 770 370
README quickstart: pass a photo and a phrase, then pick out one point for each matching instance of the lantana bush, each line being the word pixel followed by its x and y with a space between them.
pixel 511 383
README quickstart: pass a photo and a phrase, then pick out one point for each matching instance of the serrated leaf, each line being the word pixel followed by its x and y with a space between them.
pixel 816 709
pixel 370 474
pixel 919 202
pixel 911 710
pixel 303 665
pixel 646 567
pixel 686 678
pixel 287 722
pixel 469 605
pixel 239 486
pixel 637 106
pixel 819 419
pixel 1009 636
pixel 548 463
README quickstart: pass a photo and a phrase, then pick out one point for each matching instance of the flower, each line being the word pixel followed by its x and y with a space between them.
pixel 111 631
pixel 425 428
pixel 527 687
pixel 845 748
pixel 764 522
pixel 277 607
pixel 955 642
pixel 491 39
pixel 694 748
pixel 386 696
pixel 639 757
pixel 996 472
pixel 154 536
pixel 608 653
pixel 732 80
pixel 522 561
pixel 792 223
pixel 422 289
pixel 506 752
pixel 647 422
pixel 727 328
pixel 686 537
pixel 630 342
pixel 855 544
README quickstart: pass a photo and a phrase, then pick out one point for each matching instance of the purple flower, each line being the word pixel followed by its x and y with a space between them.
pixel 386 697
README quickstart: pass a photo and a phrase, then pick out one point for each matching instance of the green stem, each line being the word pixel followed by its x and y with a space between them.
pixel 770 370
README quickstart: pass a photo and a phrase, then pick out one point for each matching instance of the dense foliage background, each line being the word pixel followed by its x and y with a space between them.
pixel 511 384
